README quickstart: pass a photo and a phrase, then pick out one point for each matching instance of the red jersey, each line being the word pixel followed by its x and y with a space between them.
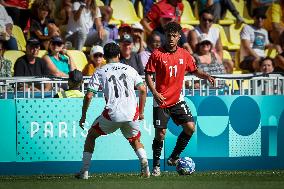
pixel 170 69
pixel 156 10
pixel 18 3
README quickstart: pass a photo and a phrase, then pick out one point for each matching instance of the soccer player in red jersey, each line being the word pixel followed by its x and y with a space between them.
pixel 169 64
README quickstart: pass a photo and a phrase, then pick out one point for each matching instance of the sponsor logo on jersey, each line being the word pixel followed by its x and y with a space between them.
pixel 180 61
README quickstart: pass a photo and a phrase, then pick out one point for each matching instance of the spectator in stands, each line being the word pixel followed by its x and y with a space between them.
pixel 279 59
pixel 127 56
pixel 6 26
pixel 254 40
pixel 152 19
pixel 266 65
pixel 275 20
pixel 96 60
pixel 124 29
pixel 5 64
pixel 18 10
pixel 63 12
pixel 111 28
pixel 42 25
pixel 80 28
pixel 205 27
pixel 219 8
pixel 137 33
pixel 206 59
pixel 58 60
pixel 153 42
pixel 30 64
pixel 75 80
pixel 165 18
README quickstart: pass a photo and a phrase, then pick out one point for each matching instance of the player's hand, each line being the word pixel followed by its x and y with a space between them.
pixel 82 121
pixel 141 116
pixel 211 80
pixel 159 98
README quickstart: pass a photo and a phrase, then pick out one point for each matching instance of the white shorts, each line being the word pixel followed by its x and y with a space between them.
pixel 129 129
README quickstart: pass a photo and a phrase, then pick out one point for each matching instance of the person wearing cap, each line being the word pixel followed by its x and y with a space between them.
pixel 206 59
pixel 59 61
pixel 137 33
pixel 274 23
pixel 124 29
pixel 75 80
pixel 152 19
pixel 165 18
pixel 96 60
pixel 127 56
pixel 30 64
pixel 254 40
pixel 42 26
pixel 206 19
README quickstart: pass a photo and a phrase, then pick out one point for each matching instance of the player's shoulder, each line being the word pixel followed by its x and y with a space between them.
pixel 183 51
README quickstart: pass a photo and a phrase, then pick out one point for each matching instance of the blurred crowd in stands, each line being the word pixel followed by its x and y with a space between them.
pixel 44 37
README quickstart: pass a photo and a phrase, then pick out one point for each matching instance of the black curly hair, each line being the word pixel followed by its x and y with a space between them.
pixel 111 50
pixel 172 27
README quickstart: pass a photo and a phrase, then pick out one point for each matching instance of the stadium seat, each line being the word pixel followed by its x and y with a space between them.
pixel 241 7
pixel 19 35
pixel 187 16
pixel 225 42
pixel 272 53
pixel 13 55
pixel 235 33
pixel 79 59
pixel 227 55
pixel 140 10
pixel 127 14
pixel 41 53
pixel 187 26
pixel 100 3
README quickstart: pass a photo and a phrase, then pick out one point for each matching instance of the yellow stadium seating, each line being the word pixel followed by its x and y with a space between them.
pixel 187 26
pixel 41 53
pixel 241 7
pixel 100 3
pixel 187 16
pixel 225 42
pixel 79 59
pixel 140 13
pixel 19 35
pixel 227 55
pixel 124 10
pixel 13 55
pixel 235 32
pixel 272 53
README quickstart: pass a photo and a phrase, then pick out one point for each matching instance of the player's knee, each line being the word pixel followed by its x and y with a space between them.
pixel 189 128
pixel 160 135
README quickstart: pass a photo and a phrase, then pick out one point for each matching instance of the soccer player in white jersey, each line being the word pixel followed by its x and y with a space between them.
pixel 117 82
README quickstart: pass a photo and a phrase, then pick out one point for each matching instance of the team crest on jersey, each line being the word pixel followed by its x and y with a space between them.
pixel 165 62
pixel 180 61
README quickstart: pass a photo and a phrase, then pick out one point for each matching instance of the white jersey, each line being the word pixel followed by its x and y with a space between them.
pixel 117 82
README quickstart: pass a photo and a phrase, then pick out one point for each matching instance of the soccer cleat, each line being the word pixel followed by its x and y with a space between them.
pixel 156 171
pixel 145 168
pixel 172 161
pixel 82 175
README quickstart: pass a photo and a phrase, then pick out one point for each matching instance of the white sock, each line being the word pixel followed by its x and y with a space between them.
pixel 141 153
pixel 87 156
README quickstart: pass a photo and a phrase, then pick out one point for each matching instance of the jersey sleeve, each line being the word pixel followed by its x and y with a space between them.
pixel 151 64
pixel 154 13
pixel 190 66
pixel 138 80
pixel 94 83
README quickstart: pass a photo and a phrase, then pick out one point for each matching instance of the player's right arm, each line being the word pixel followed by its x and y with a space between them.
pixel 87 100
pixel 158 97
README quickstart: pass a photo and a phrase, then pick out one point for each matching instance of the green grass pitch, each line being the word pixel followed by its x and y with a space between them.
pixel 218 179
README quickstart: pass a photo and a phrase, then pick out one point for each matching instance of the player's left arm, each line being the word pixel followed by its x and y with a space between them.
pixel 203 75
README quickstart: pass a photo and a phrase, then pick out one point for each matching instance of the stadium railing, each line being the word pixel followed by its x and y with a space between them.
pixel 227 84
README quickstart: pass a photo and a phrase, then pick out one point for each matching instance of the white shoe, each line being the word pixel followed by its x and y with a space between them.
pixel 145 172
pixel 156 171
pixel 82 175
